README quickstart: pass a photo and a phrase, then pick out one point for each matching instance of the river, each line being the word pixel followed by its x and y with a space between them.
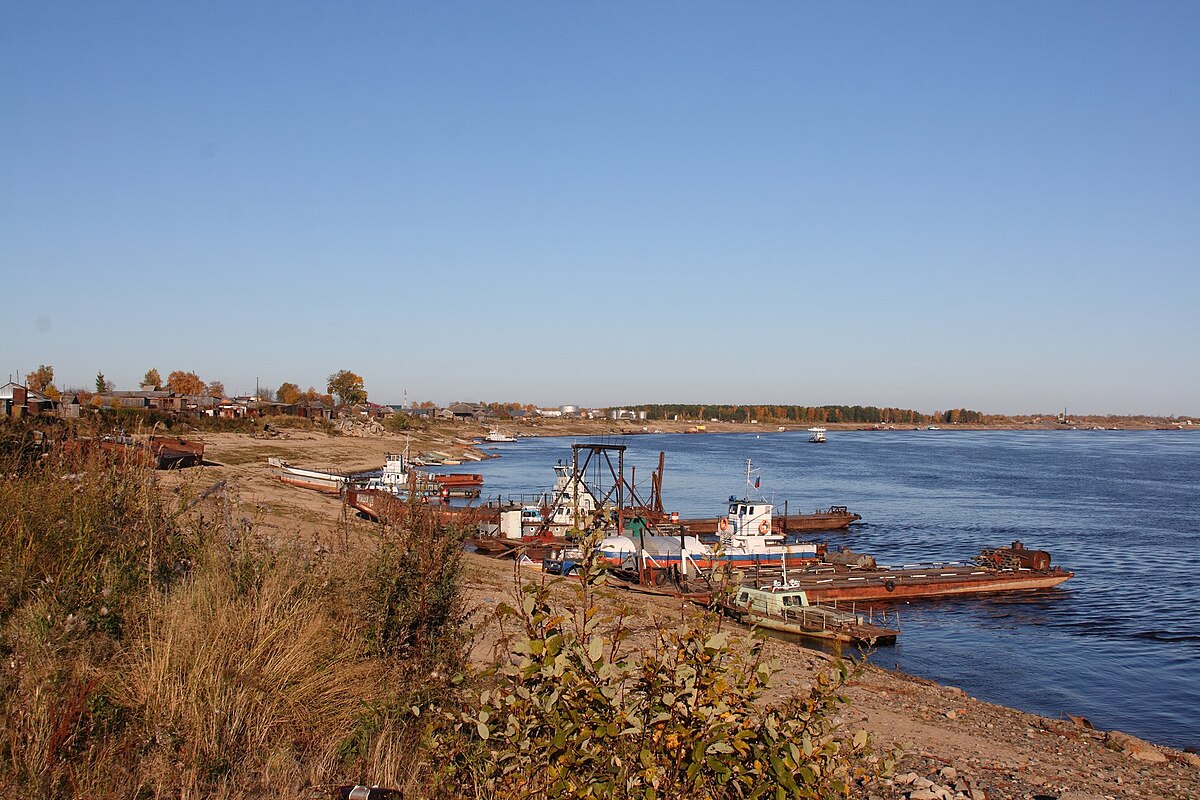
pixel 1119 643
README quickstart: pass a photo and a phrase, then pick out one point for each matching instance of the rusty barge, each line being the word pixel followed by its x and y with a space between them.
pixel 157 452
pixel 829 519
pixel 1005 569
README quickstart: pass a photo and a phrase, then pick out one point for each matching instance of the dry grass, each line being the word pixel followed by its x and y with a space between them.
pixel 246 681
pixel 152 653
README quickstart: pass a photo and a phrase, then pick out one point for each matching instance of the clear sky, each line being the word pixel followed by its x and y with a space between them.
pixel 928 205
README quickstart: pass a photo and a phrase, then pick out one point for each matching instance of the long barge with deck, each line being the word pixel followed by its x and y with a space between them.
pixel 1006 569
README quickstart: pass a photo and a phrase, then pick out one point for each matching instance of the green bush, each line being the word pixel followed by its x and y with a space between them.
pixel 574 713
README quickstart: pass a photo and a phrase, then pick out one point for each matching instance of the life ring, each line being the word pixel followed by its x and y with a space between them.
pixel 890 585
pixel 764 527
pixel 723 524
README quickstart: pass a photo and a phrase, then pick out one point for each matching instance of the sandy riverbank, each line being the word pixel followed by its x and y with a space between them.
pixel 957 742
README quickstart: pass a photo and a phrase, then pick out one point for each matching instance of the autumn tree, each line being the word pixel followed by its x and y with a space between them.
pixel 348 387
pixel 181 382
pixel 288 393
pixel 40 378
pixel 311 395
pixel 152 379
pixel 216 389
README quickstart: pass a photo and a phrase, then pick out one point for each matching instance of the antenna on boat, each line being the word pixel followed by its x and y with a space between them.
pixel 752 480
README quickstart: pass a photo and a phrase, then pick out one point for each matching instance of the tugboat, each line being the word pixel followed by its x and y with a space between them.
pixel 745 538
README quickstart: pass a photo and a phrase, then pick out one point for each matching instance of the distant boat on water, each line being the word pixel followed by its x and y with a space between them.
pixel 816 435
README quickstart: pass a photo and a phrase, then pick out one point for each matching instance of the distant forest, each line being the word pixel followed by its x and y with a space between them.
pixel 869 415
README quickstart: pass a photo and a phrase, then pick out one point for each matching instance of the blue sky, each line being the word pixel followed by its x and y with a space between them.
pixel 925 205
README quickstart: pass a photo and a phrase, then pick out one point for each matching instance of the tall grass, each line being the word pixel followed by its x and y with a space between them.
pixel 149 653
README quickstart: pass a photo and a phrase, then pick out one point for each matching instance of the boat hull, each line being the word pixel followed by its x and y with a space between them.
pixel 886 585
pixel 792 523
pixel 857 634
pixel 459 479
pixel 329 484
pixel 175 453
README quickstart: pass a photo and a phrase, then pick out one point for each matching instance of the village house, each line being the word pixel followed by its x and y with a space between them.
pixel 422 413
pixel 156 399
pixel 469 411
pixel 21 401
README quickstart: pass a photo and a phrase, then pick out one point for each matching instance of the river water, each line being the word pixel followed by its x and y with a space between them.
pixel 1119 643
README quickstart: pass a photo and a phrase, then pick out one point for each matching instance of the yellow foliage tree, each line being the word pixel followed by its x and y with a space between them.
pixel 347 386
pixel 181 382
pixel 40 378
pixel 288 393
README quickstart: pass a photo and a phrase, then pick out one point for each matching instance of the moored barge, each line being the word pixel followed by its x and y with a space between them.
pixel 1008 569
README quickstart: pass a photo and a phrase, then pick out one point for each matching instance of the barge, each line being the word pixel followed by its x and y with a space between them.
pixel 1007 569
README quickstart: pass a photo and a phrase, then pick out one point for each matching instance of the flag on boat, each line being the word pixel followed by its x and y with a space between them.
pixel 756 480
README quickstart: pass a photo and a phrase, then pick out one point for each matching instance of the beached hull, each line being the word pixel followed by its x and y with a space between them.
pixel 375 504
pixel 535 548
pixel 175 453
pixel 328 483
pixel 665 590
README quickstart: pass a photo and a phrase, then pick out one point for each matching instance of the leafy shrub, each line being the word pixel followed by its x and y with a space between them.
pixel 573 713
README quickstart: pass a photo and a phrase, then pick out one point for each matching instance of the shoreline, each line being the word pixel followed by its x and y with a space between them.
pixel 997 750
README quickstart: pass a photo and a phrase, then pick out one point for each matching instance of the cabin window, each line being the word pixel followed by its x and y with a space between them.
pixel 751 509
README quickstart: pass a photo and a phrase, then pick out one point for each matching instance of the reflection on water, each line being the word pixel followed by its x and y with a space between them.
pixel 1119 643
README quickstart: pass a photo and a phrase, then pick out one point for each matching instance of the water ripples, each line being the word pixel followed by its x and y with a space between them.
pixel 1119 643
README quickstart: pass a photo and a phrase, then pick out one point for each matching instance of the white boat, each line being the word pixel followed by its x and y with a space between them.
pixel 315 479
pixel 395 477
pixel 496 435
pixel 744 539
pixel 816 435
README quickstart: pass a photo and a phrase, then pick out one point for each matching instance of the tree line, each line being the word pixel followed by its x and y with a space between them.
pixel 345 385
pixel 871 415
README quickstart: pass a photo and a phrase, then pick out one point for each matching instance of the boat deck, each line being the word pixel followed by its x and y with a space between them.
pixel 914 581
